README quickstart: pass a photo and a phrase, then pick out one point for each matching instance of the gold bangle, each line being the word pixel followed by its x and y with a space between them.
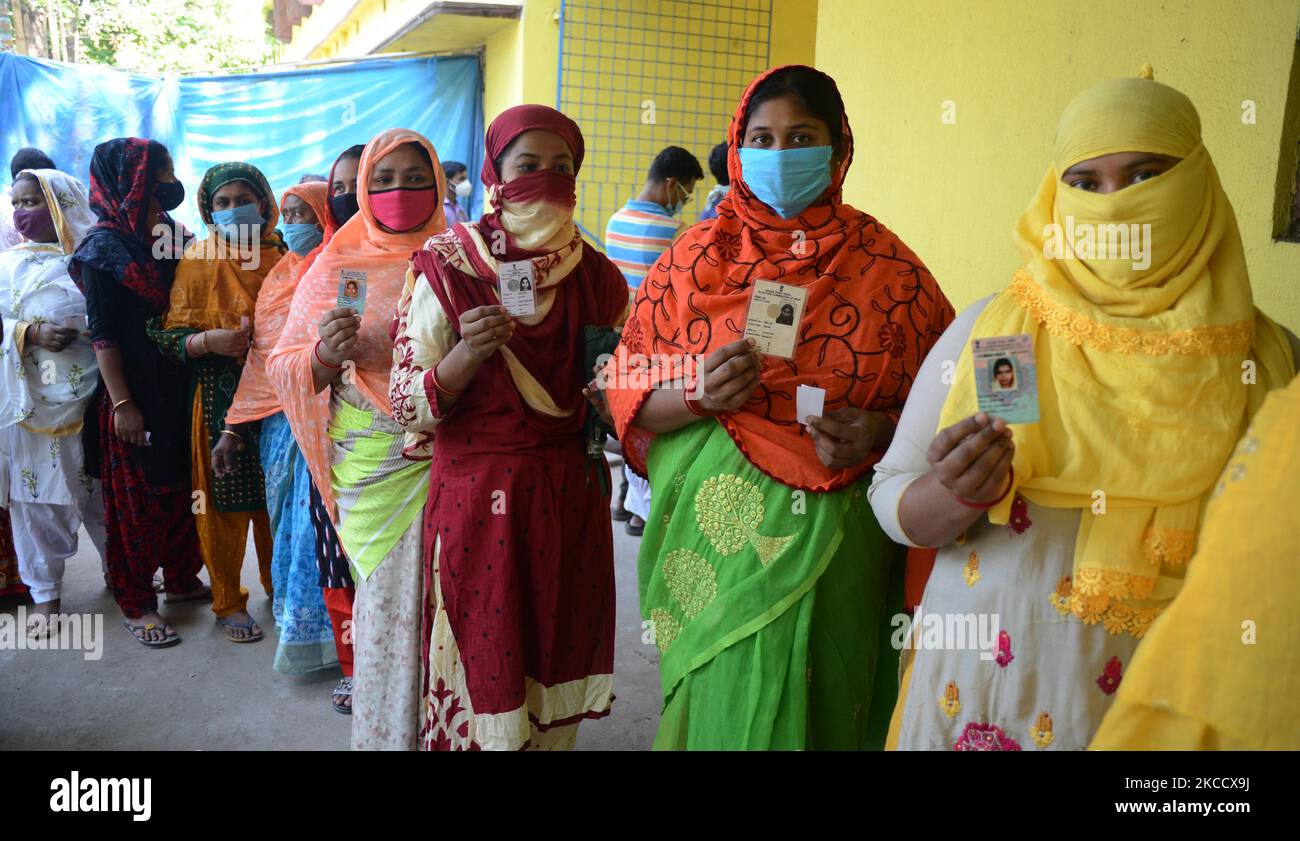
pixel 232 432
pixel 121 403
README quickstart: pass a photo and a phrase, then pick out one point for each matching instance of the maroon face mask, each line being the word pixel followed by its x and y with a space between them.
pixel 33 224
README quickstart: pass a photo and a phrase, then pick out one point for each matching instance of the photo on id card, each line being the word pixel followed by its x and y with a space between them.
pixel 1006 384
pixel 352 290
pixel 775 312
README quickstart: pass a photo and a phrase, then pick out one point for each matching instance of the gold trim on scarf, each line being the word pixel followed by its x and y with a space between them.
pixel 1079 329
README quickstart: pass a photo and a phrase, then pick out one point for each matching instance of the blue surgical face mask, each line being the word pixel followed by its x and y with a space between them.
pixel 229 222
pixel 680 205
pixel 787 180
pixel 302 237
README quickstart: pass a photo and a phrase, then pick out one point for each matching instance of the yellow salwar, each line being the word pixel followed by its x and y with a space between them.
pixel 224 534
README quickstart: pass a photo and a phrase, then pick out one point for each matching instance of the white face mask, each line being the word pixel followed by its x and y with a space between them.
pixel 464 189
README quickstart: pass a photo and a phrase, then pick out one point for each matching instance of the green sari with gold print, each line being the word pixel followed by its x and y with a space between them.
pixel 770 606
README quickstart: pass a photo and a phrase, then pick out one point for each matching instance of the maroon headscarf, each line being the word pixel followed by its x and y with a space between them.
pixel 515 121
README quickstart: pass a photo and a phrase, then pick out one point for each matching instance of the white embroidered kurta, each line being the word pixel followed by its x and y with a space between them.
pixel 1033 676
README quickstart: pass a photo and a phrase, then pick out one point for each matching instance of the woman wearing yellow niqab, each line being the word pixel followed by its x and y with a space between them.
pixel 1151 358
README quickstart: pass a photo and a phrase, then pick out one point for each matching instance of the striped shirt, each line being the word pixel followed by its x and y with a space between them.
pixel 637 235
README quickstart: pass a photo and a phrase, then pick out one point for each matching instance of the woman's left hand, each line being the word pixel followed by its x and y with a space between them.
pixel 846 436
pixel 596 396
pixel 223 454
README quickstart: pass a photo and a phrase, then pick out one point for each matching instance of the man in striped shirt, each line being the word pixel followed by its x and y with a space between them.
pixel 644 228
pixel 635 238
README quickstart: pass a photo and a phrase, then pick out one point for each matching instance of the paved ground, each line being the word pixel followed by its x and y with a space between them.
pixel 209 694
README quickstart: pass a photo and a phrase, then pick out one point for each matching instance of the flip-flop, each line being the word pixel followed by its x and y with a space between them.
pixel 200 595
pixel 172 638
pixel 247 626
pixel 343 690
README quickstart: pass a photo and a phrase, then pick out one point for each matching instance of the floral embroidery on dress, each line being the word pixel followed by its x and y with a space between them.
pixel 75 376
pixel 729 511
pixel 1060 598
pixel 448 724
pixel 691 579
pixel 1004 655
pixel 664 627
pixel 1041 732
pixel 1111 676
pixel 950 703
pixel 971 572
pixel 29 481
pixel 1019 520
pixel 985 737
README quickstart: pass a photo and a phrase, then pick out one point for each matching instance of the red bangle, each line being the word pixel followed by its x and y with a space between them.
pixel 315 351
pixel 692 405
pixel 433 375
pixel 1011 483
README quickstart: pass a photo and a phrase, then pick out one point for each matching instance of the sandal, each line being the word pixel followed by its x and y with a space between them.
pixel 202 593
pixel 343 690
pixel 230 624
pixel 138 631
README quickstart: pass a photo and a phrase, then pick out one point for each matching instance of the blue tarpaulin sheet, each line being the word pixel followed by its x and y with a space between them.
pixel 287 123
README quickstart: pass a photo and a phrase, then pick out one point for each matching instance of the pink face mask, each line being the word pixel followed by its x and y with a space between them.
pixel 403 209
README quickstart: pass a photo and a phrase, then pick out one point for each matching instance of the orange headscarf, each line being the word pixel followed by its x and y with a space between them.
pixel 255 398
pixel 217 282
pixel 360 245
pixel 873 311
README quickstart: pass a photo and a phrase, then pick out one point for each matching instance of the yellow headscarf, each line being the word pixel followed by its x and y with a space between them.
pixel 1150 360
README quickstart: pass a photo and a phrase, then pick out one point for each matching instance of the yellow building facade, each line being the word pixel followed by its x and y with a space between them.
pixel 954 108
pixel 953 104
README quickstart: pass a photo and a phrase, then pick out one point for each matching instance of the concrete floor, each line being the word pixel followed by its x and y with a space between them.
pixel 209 694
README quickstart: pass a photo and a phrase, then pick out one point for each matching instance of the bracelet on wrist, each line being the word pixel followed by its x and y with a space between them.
pixel 445 392
pixel 121 403
pixel 693 405
pixel 315 351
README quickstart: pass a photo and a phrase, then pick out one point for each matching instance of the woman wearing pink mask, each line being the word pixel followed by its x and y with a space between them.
pixel 330 369
pixel 519 605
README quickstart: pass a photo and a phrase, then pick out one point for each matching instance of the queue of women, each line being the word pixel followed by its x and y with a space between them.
pixel 430 514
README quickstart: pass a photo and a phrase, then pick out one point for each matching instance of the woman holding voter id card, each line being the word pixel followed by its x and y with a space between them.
pixel 207 328
pixel 758 381
pixel 330 369
pixel 1066 503
pixel 519 556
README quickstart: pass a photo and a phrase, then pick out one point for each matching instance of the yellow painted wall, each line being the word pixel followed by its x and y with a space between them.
pixel 691 60
pixel 953 192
